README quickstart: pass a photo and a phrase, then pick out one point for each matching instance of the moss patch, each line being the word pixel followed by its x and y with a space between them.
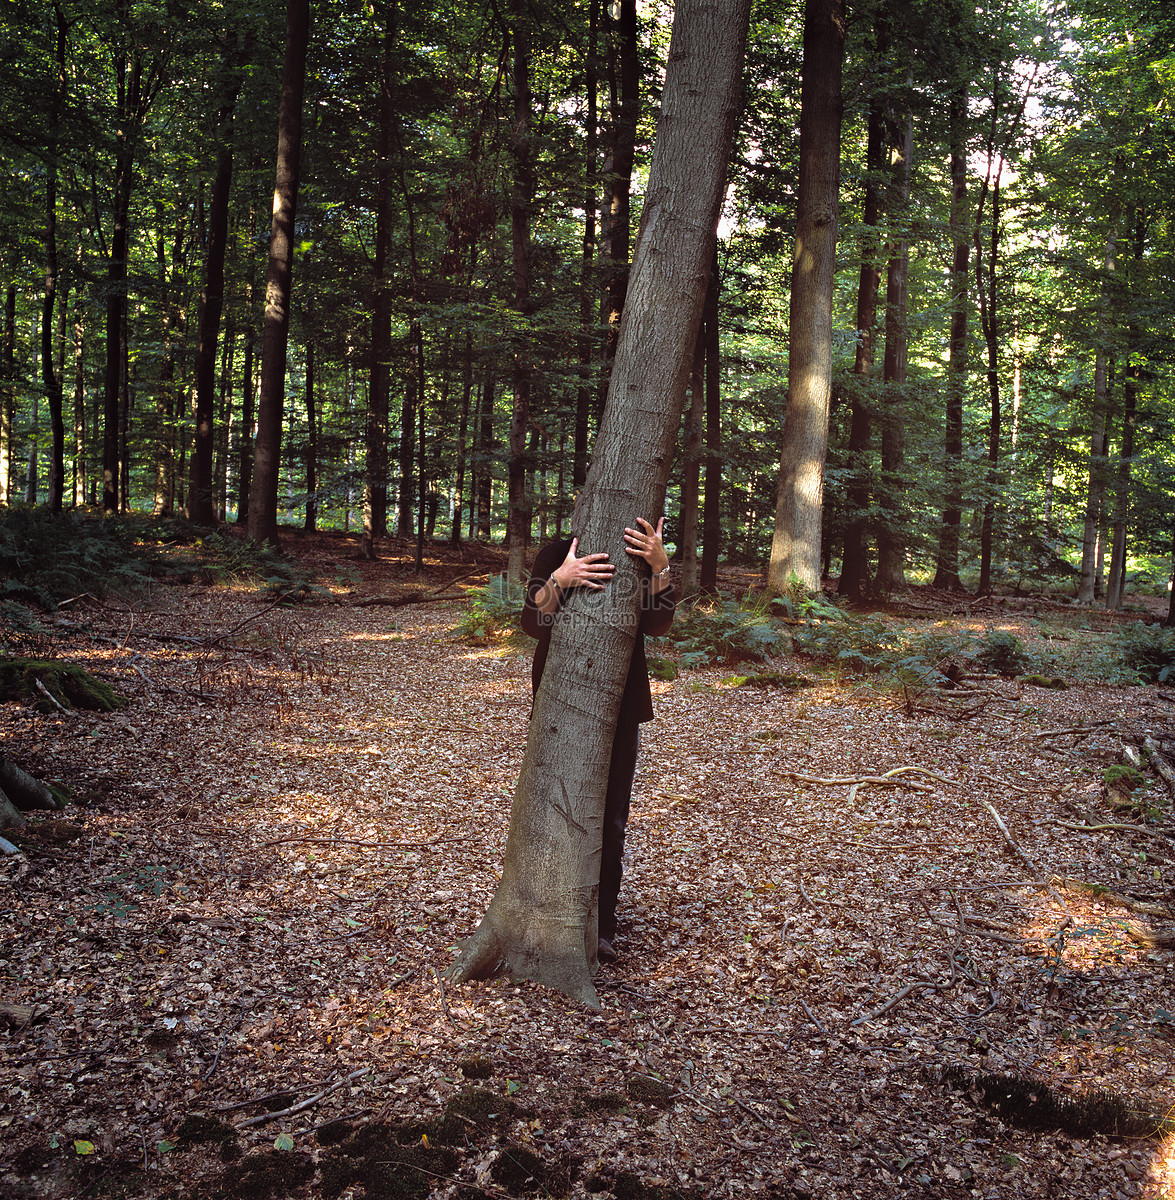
pixel 376 1159
pixel 476 1067
pixel 271 1173
pixel 472 1113
pixel 70 686
pixel 1045 681
pixel 648 1090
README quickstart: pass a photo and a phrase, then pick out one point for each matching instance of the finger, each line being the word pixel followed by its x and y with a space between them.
pixel 660 525
pixel 571 550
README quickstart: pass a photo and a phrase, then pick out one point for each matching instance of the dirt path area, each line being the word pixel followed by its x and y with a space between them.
pixel 839 976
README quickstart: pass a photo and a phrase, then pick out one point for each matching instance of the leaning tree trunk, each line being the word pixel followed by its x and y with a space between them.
pixel 275 335
pixel 542 919
pixel 795 546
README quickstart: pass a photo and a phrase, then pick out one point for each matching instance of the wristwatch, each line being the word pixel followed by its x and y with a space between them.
pixel 662 574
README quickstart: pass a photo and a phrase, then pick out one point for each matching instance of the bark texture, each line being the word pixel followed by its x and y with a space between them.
pixel 542 919
pixel 795 546
pixel 275 335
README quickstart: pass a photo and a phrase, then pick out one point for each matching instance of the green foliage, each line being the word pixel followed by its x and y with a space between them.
pixel 725 631
pixel 46 557
pixel 1003 652
pixel 493 610
pixel 228 559
pixel 1134 654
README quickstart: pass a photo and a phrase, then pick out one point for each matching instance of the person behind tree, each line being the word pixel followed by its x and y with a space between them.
pixel 558 568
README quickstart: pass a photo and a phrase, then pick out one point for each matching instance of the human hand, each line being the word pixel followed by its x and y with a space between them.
pixel 592 571
pixel 646 543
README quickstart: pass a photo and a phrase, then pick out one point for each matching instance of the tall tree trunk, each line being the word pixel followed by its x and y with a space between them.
pixel 50 376
pixel 795 547
pixel 485 486
pixel 200 506
pixel 7 393
pixel 248 389
pixel 986 290
pixel 947 559
pixel 1091 543
pixel 521 195
pixel 81 447
pixel 407 480
pixel 854 569
pixel 1131 379
pixel 311 522
pixel 891 548
pixel 712 508
pixel 587 297
pixel 275 336
pixel 542 918
pixel 462 442
pixel 620 154
pixel 375 489
pixel 691 451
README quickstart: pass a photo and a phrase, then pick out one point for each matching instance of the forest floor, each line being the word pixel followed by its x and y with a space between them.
pixel 234 944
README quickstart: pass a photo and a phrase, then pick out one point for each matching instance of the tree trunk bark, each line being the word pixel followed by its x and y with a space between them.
pixel 854 568
pixel 311 522
pixel 690 468
pixel 712 508
pixel 7 394
pixel 521 195
pixel 542 918
pixel 947 562
pixel 200 505
pixel 275 336
pixel 375 489
pixel 891 575
pixel 587 292
pixel 795 546
pixel 1091 553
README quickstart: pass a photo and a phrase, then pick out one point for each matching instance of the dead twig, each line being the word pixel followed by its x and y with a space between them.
pixel 321 841
pixel 1079 730
pixel 1162 767
pixel 51 698
pixel 264 1118
pixel 1013 845
pixel 921 985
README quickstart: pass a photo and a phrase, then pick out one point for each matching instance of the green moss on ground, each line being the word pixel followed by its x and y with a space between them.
pixel 69 685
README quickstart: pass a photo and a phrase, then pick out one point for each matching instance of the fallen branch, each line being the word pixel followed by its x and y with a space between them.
pixel 1080 730
pixel 887 778
pixel 1124 826
pixel 1162 767
pixel 921 985
pixel 264 1118
pixel 51 698
pixel 1013 845
pixel 321 841
pixel 1099 892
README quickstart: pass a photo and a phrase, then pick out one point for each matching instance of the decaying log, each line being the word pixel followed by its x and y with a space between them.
pixel 22 789
pixel 1163 768
pixel 10 817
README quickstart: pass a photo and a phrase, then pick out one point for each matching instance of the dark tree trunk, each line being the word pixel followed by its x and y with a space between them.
pixel 691 451
pixel 542 918
pixel 50 376
pixel 521 196
pixel 248 389
pixel 375 491
pixel 200 505
pixel 891 549
pixel 947 567
pixel 462 442
pixel 854 571
pixel 7 393
pixel 587 294
pixel 485 487
pixel 311 521
pixel 620 154
pixel 712 508
pixel 275 336
pixel 795 547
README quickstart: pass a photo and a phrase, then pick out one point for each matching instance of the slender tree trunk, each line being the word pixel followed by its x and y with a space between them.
pixel 691 446
pixel 947 560
pixel 224 423
pixel 51 377
pixel 615 212
pixel 542 918
pixel 200 506
pixel 81 448
pixel 248 391
pixel 485 490
pixel 311 521
pixel 795 547
pixel 267 456
pixel 521 195
pixel 375 493
pixel 986 289
pixel 7 393
pixel 462 442
pixel 587 293
pixel 1091 552
pixel 712 508
pixel 1131 379
pixel 891 548
pixel 421 452
pixel 854 569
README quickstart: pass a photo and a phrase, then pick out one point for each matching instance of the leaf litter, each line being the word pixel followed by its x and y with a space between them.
pixel 839 977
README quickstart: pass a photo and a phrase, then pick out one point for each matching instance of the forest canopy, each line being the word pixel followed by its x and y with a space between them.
pixel 999 413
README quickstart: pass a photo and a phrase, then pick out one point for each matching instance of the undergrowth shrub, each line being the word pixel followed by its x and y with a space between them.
pixel 227 559
pixel 725 631
pixel 1001 651
pixel 494 609
pixel 1136 654
pixel 46 557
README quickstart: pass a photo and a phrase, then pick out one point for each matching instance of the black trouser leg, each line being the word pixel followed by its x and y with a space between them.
pixel 616 804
